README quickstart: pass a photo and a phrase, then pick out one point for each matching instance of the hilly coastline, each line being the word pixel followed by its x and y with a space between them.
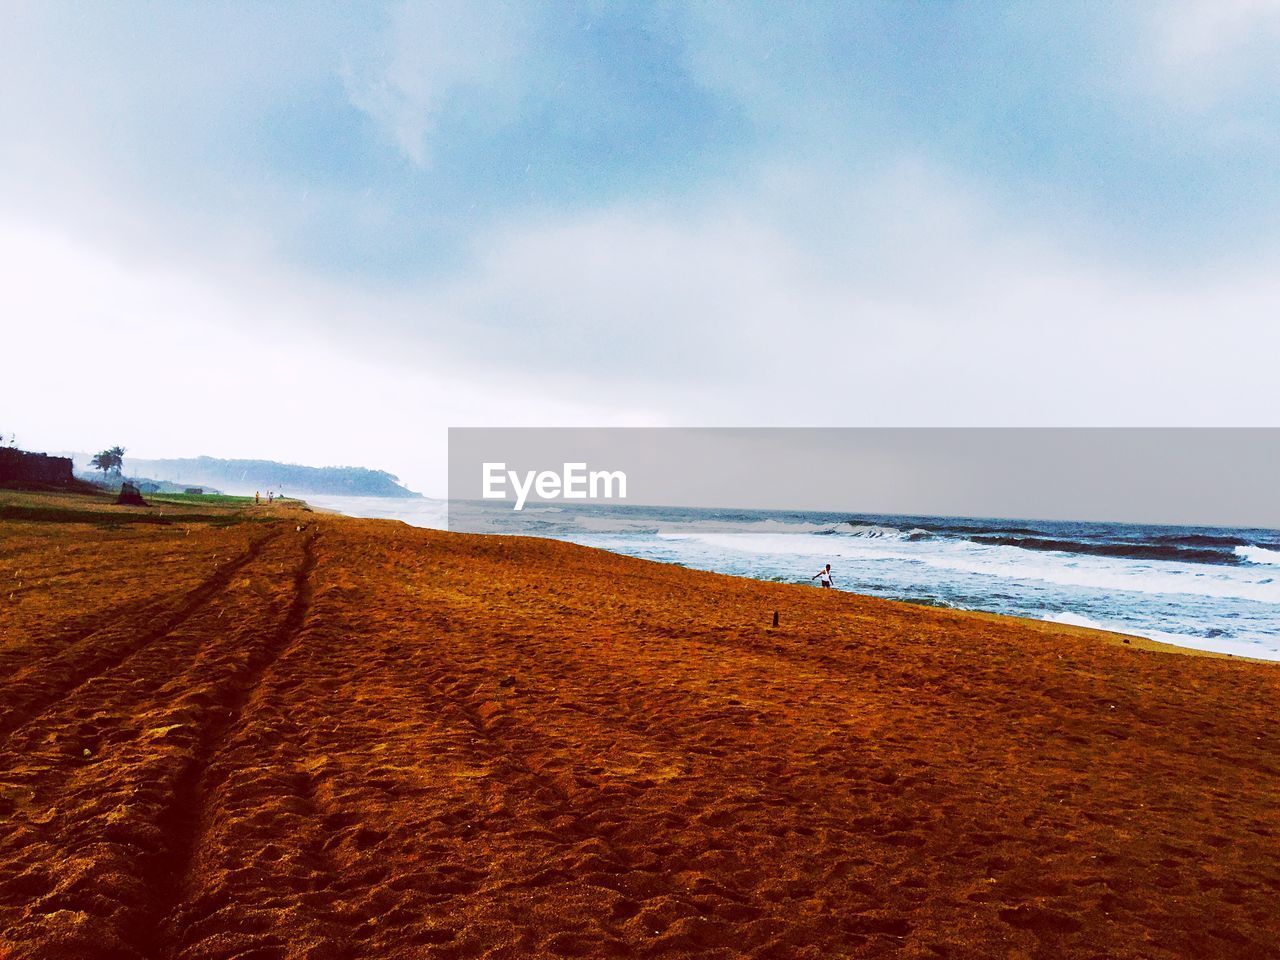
pixel 248 476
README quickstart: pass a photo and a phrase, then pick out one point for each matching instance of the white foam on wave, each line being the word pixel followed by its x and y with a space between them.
pixel 870 531
pixel 782 526
pixel 1258 649
pixel 865 531
pixel 1110 573
pixel 611 524
pixel 615 524
pixel 1074 620
pixel 415 511
pixel 1014 563
pixel 1259 555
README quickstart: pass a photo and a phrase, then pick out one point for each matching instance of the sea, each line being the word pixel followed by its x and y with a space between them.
pixel 1208 588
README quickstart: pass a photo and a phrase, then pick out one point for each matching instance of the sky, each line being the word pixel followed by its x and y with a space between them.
pixel 1194 477
pixel 325 233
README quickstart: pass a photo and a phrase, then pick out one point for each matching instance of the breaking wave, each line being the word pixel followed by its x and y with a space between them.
pixel 1131 551
pixel 1261 555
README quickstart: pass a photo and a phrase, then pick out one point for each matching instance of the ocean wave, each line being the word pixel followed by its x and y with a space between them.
pixel 676 528
pixel 784 526
pixel 1260 648
pixel 1109 573
pixel 612 524
pixel 875 531
pixel 1216 641
pixel 1130 551
pixel 416 512
pixel 1074 620
pixel 1260 555
pixel 1010 564
pixel 966 529
pixel 1199 540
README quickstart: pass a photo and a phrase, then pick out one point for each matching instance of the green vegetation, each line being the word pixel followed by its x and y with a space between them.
pixel 220 499
pixel 49 514
pixel 109 460
pixel 98 507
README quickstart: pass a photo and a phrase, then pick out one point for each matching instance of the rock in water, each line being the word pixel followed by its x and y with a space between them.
pixel 130 495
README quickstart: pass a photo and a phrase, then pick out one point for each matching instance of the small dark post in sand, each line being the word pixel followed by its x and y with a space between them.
pixel 775 618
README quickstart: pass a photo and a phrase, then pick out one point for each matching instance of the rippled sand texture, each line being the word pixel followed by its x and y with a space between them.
pixel 364 740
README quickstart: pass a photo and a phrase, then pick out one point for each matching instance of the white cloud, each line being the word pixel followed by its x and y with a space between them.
pixel 1204 50
pixel 626 295
pixel 175 358
pixel 431 55
pixel 1203 32
pixel 903 299
pixel 899 300
pixel 888 294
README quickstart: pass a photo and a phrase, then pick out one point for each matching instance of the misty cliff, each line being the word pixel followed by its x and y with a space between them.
pixel 246 476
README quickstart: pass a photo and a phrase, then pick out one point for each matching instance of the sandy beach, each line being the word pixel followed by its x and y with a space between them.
pixel 277 733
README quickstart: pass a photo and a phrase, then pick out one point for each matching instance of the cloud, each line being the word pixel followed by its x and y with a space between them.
pixel 1205 51
pixel 177 357
pixel 828 271
pixel 625 294
pixel 903 299
pixel 454 55
pixel 1203 33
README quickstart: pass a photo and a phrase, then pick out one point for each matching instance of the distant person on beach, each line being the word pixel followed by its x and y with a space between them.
pixel 823 576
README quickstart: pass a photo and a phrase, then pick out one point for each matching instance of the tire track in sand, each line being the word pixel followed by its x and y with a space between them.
pixel 590 853
pixel 171 878
pixel 79 662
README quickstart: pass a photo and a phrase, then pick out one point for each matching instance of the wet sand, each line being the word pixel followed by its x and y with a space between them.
pixel 227 738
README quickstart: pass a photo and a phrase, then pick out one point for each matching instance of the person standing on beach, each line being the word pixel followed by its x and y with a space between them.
pixel 823 576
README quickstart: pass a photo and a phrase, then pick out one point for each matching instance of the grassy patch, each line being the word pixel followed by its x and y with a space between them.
pixel 69 515
pixel 46 514
pixel 213 499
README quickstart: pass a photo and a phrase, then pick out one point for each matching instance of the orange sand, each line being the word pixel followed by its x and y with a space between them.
pixel 365 740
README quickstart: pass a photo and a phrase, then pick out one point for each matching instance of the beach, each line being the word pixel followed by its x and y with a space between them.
pixel 229 732
pixel 1214 589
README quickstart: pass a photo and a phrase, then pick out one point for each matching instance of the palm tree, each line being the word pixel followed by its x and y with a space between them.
pixel 109 460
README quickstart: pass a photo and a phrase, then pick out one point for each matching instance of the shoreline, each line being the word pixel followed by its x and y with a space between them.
pixel 96 501
pixel 1114 637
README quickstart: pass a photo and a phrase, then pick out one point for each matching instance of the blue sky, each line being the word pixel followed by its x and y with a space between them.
pixel 925 213
pixel 389 134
